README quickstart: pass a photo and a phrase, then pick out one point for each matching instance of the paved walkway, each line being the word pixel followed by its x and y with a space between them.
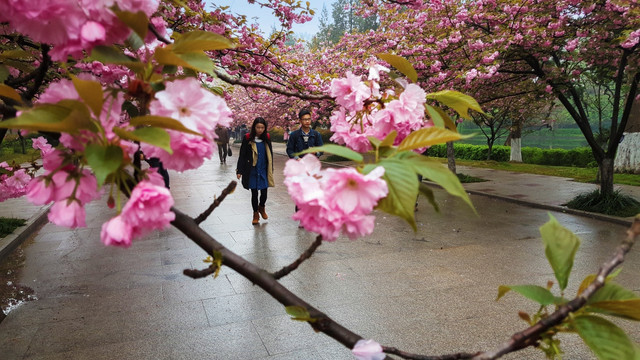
pixel 427 292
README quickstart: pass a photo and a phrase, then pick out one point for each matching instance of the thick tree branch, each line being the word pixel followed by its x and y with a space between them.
pixel 304 256
pixel 234 81
pixel 228 190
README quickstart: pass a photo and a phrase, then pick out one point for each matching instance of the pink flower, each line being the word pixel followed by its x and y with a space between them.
pixel 350 92
pixel 92 31
pixel 189 151
pixel 41 144
pixel 368 350
pixel 197 108
pixel 38 192
pixel 352 192
pixel 331 201
pixel 87 189
pixel 67 213
pixel 149 206
pixel 116 232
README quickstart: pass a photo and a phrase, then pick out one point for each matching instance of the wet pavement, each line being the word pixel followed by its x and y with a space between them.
pixel 429 292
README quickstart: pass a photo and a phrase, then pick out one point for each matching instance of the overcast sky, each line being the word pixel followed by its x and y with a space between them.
pixel 267 20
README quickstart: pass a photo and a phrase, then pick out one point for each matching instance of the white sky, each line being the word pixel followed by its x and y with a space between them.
pixel 266 20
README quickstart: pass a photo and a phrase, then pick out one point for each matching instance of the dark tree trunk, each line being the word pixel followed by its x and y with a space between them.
pixel 605 174
pixel 451 159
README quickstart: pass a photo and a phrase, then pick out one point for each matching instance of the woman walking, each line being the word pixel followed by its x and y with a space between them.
pixel 255 166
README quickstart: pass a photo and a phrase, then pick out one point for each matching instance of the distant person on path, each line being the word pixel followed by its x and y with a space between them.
pixel 285 136
pixel 255 166
pixel 303 138
pixel 223 143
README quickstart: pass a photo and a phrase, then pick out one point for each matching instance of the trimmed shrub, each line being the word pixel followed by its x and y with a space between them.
pixel 578 157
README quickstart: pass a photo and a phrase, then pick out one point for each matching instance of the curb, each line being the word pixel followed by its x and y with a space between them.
pixel 19 235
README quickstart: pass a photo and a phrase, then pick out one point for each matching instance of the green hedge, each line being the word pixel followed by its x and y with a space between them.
pixel 277 134
pixel 579 157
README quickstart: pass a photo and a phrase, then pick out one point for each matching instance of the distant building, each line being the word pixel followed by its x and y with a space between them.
pixel 628 155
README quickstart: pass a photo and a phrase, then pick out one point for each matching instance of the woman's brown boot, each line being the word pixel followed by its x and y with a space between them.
pixel 256 218
pixel 262 212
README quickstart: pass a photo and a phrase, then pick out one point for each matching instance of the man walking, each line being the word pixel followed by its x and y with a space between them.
pixel 303 138
pixel 223 143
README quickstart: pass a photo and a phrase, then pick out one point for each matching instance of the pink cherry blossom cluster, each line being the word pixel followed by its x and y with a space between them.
pixel 13 181
pixel 197 109
pixel 383 112
pixel 148 208
pixel 332 201
pixel 72 26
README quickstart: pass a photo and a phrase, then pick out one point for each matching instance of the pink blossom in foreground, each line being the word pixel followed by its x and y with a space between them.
pixel 148 208
pixel 116 232
pixel 195 107
pixel 350 92
pixel 70 214
pixel 368 350
pixel 336 200
pixel 189 151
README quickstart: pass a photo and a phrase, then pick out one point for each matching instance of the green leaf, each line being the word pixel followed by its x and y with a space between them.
pixel 427 137
pixel 4 73
pixel 604 338
pixel 560 247
pixel 137 21
pixel 150 135
pixel 612 291
pixel 161 122
pixel 135 41
pixel 437 173
pixel 591 277
pixel 401 64
pixel 113 55
pixel 389 139
pixel 532 292
pixel 91 93
pixel 197 61
pixel 9 92
pixel 336 150
pixel 67 116
pixel 428 193
pixel 458 101
pixel 440 118
pixel 197 41
pixel 402 182
pixel 628 309
pixel 104 160
pixel 299 313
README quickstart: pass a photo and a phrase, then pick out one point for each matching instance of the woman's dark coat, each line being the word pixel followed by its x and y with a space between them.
pixel 246 161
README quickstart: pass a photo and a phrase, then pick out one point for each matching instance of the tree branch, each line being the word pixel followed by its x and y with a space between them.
pixel 198 274
pixel 530 336
pixel 228 190
pixel 304 256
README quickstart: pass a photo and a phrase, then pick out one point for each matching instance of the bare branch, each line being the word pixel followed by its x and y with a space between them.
pixel 199 274
pixel 406 355
pixel 234 81
pixel 228 190
pixel 304 256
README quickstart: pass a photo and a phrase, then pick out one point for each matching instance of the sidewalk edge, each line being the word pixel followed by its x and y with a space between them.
pixel 19 235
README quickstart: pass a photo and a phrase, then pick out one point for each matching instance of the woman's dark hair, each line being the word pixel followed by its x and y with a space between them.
pixel 252 134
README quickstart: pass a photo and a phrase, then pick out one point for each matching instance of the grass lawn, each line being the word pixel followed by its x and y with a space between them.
pixel 7 225
pixel 587 175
